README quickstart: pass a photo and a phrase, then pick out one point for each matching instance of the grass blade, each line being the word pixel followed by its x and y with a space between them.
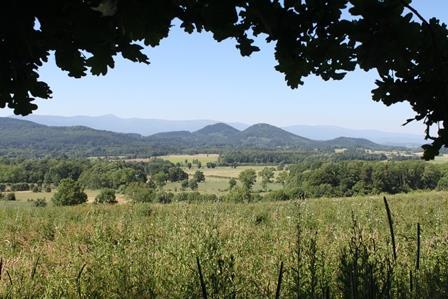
pixel 279 282
pixel 33 270
pixel 417 258
pixel 391 228
pixel 201 279
pixel 78 280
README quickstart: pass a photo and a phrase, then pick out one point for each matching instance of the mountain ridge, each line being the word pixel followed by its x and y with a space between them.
pixel 18 134
pixel 147 127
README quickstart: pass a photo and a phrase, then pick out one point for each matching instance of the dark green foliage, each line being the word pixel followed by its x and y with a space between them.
pixel 247 178
pixel 240 194
pixel 176 174
pixel 350 178
pixel 106 174
pixel 184 184
pixel 40 203
pixel 199 176
pixel 164 197
pixel 321 38
pixel 10 197
pixel 36 189
pixel 211 165
pixel 106 196
pixel 20 187
pixel 194 197
pixel 160 179
pixel 140 192
pixel 69 193
pixel 278 195
pixel 193 184
pixel 232 183
pixel 443 183
pixel 281 157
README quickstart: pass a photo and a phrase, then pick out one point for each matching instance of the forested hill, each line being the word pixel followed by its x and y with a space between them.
pixel 25 137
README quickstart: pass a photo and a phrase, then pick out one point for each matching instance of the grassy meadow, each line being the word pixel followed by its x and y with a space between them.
pixel 150 250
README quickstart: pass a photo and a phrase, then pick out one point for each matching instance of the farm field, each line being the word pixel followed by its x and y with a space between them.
pixel 203 158
pixel 150 250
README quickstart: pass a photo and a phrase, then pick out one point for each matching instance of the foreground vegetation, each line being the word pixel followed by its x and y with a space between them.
pixel 144 250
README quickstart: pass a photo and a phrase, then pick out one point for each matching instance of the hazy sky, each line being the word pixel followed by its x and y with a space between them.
pixel 193 77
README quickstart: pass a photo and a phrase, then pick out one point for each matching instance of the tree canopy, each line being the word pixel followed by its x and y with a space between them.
pixel 327 38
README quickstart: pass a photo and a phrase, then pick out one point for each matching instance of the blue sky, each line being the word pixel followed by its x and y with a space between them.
pixel 193 77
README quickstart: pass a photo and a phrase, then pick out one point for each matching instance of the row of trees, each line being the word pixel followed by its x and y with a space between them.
pixel 294 157
pixel 350 178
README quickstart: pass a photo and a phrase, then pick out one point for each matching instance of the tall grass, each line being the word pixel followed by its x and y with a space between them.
pixel 325 248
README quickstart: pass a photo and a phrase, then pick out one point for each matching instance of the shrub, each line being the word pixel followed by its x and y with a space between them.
pixel 20 187
pixel 193 184
pixel 48 189
pixel 164 197
pixel 239 194
pixel 2 187
pixel 199 176
pixel 36 189
pixel 184 184
pixel 106 196
pixel 194 197
pixel 69 193
pixel 10 197
pixel 40 203
pixel 443 183
pixel 277 195
pixel 140 192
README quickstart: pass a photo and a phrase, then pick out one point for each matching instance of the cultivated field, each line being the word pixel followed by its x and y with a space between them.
pixel 203 158
pixel 150 250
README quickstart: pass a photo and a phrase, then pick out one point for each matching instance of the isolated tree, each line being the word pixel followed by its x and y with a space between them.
pixel 140 192
pixel 193 184
pixel 266 176
pixel 106 196
pixel 248 178
pixel 232 183
pixel 323 38
pixel 69 193
pixel 282 177
pixel 199 176
pixel 160 179
pixel 184 184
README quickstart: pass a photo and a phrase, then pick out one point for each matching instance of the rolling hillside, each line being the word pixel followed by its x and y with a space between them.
pixel 19 136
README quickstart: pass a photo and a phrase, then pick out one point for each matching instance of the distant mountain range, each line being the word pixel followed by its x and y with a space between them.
pixel 26 136
pixel 147 127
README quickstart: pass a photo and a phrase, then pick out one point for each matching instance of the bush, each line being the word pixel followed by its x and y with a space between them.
pixel 2 187
pixel 194 197
pixel 277 195
pixel 10 197
pixel 443 183
pixel 106 196
pixel 48 189
pixel 140 192
pixel 164 197
pixel 40 203
pixel 193 184
pixel 20 187
pixel 36 189
pixel 69 193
